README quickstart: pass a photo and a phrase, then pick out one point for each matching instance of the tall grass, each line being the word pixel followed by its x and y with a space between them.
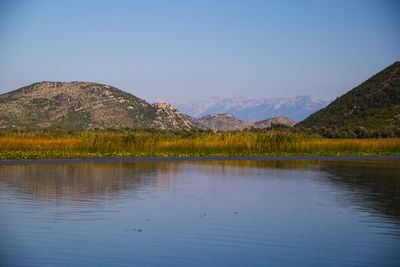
pixel 55 144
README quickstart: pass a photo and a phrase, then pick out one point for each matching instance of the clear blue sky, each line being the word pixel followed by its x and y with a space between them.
pixel 195 49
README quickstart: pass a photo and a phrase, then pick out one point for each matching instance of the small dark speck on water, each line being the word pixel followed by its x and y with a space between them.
pixel 139 230
pixel 236 212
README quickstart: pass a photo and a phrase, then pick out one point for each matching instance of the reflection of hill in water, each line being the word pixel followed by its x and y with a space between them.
pixel 249 167
pixel 73 180
pixel 47 182
pixel 371 185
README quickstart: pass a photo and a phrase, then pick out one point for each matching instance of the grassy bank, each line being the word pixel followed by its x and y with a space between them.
pixel 59 144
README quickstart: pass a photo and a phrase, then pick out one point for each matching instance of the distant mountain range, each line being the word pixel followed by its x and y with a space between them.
pixel 374 104
pixel 252 109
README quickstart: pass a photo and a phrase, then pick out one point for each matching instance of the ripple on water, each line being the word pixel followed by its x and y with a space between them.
pixel 201 213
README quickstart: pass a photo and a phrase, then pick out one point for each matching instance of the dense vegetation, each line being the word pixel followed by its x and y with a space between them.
pixel 371 109
pixel 346 132
pixel 354 132
pixel 278 141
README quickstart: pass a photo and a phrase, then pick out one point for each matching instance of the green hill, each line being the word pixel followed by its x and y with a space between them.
pixel 373 105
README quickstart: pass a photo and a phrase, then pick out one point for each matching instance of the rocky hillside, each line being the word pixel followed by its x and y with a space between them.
pixel 225 121
pixel 222 122
pixel 374 104
pixel 83 105
pixel 276 120
pixel 251 109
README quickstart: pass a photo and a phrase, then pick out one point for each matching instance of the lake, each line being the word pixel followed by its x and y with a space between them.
pixel 225 213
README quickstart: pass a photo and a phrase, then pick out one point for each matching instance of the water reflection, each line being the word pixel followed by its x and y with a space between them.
pixel 75 181
pixel 372 184
pixel 91 180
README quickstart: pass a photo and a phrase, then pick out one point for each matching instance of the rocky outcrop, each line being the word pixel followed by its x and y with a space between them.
pixel 168 117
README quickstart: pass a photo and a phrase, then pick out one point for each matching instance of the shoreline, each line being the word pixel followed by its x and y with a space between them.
pixel 10 162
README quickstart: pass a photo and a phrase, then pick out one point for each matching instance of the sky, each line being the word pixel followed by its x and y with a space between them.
pixel 177 50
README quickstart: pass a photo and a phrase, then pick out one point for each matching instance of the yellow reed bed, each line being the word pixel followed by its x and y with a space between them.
pixel 55 144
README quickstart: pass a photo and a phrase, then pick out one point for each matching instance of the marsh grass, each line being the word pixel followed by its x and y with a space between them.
pixel 57 144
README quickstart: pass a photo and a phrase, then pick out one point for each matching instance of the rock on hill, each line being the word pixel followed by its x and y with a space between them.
pixel 169 117
pixel 373 104
pixel 223 122
pixel 83 105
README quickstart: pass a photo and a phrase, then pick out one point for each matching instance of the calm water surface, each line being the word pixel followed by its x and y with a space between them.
pixel 235 213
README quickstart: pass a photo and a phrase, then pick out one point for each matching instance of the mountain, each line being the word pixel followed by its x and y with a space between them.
pixel 251 109
pixel 275 120
pixel 374 104
pixel 226 121
pixel 222 122
pixel 84 105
